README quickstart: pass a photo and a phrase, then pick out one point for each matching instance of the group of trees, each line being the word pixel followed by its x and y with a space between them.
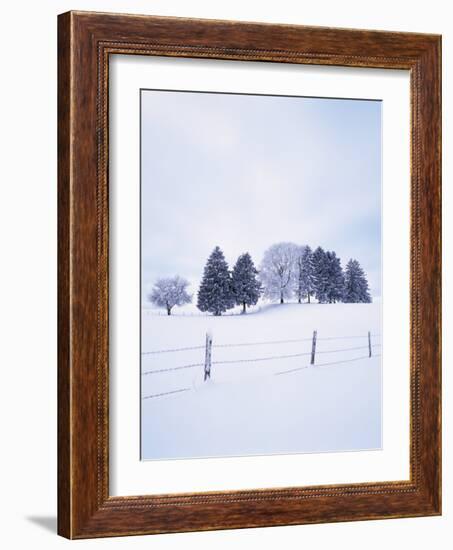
pixel 287 271
pixel 221 290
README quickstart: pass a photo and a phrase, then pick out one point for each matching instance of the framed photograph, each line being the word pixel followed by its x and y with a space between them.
pixel 249 275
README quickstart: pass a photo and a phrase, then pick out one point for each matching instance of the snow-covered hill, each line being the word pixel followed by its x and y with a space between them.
pixel 263 396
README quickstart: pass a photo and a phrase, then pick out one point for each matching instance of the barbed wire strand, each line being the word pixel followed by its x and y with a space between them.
pixel 171 350
pixel 325 364
pixel 292 341
pixel 165 393
pixel 173 368
pixel 257 359
pixel 349 337
pixel 344 349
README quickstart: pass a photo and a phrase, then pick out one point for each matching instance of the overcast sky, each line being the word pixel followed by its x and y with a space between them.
pixel 246 171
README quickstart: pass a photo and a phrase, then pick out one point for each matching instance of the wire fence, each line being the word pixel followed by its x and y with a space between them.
pixel 331 364
pixel 208 363
pixel 166 393
pixel 266 343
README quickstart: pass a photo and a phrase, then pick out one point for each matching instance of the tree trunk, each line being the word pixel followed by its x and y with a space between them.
pixel 300 300
pixel 168 310
pixel 244 307
pixel 308 297
pixel 281 299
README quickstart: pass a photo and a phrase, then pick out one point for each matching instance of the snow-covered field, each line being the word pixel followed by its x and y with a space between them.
pixel 257 407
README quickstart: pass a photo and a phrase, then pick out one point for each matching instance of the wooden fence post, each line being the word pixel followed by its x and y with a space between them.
pixel 208 356
pixel 313 347
pixel 369 344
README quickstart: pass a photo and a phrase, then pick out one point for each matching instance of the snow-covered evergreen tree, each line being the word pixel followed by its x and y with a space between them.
pixel 335 278
pixel 328 276
pixel 169 292
pixel 356 288
pixel 215 293
pixel 304 275
pixel 246 286
pixel 277 271
pixel 320 275
pixel 298 286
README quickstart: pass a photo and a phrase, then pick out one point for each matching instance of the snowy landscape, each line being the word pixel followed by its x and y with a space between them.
pixel 269 406
pixel 261 275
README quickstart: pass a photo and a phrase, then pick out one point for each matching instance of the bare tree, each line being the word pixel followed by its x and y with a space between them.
pixel 169 292
pixel 277 271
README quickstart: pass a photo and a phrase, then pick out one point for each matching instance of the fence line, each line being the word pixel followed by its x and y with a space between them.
pixel 347 337
pixel 269 342
pixel 171 350
pixel 245 344
pixel 343 349
pixel 152 396
pixel 208 363
pixel 191 366
pixel 324 364
pixel 257 359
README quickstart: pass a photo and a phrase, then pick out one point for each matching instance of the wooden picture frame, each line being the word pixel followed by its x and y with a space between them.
pixel 85 42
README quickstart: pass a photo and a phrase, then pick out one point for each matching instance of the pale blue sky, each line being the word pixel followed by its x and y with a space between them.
pixel 246 171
